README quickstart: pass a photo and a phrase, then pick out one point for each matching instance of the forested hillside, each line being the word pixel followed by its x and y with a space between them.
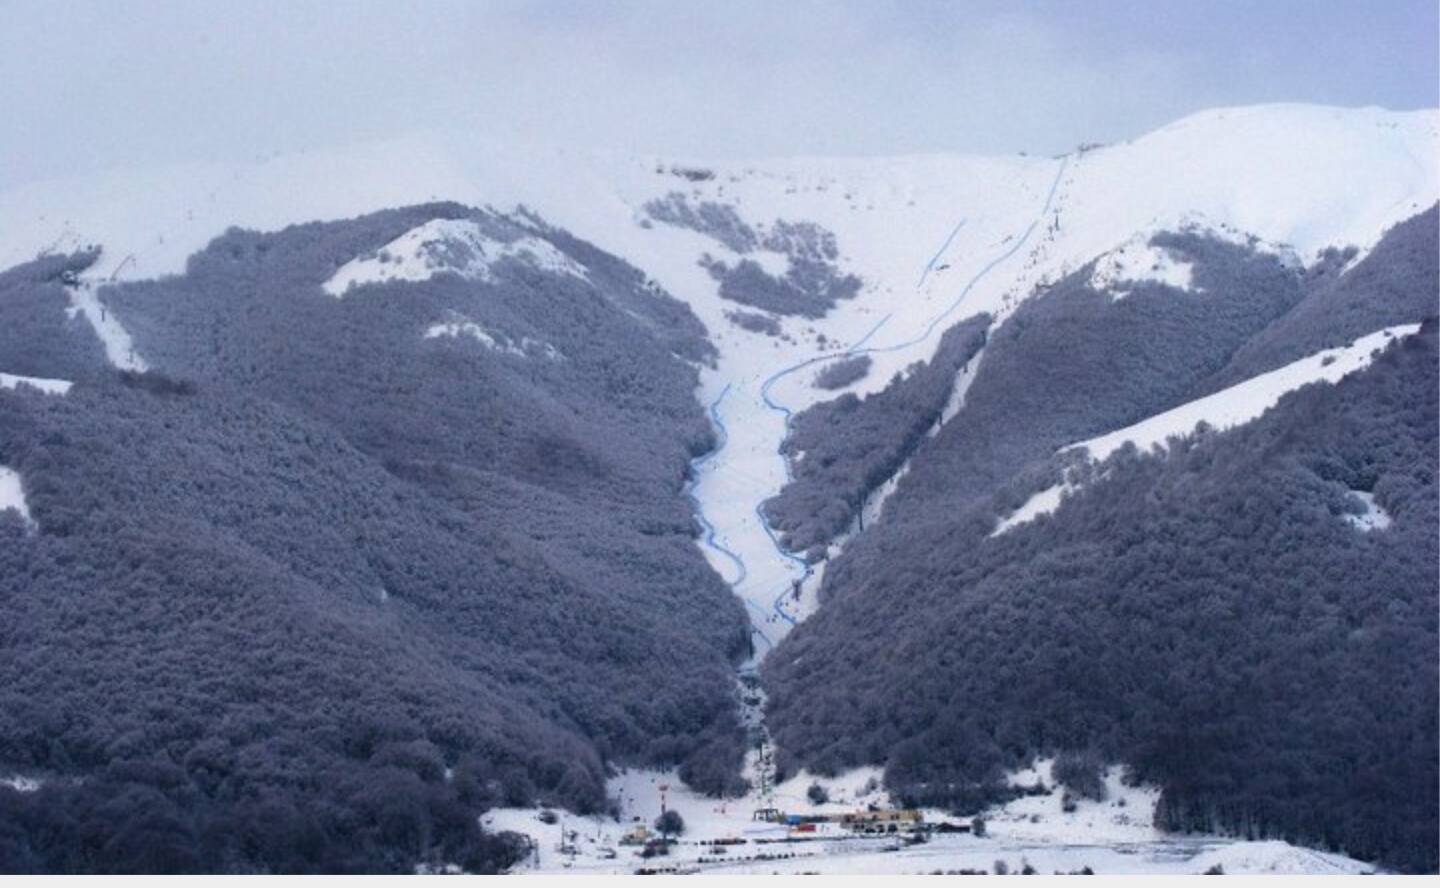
pixel 38 336
pixel 327 582
pixel 319 542
pixel 841 450
pixel 1390 285
pixel 1212 618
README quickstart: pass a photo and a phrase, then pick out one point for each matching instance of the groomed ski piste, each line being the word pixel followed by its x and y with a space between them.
pixel 934 240
pixel 788 595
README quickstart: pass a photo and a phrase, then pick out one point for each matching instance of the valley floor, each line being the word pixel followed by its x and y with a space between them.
pixel 1113 836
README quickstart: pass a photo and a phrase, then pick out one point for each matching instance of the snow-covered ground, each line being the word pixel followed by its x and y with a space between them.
pixel 1042 503
pixel 523 348
pixel 119 348
pixel 1138 260
pixel 12 495
pixel 21 783
pixel 1247 400
pixel 934 239
pixel 458 246
pixel 1240 403
pixel 48 386
pixel 1374 517
pixel 1110 836
pixel 964 854
pixel 1275 858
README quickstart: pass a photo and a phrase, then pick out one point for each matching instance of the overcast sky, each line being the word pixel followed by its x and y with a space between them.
pixel 119 82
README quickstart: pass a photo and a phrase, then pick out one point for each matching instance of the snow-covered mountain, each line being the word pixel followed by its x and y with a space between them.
pixel 1191 274
pixel 932 239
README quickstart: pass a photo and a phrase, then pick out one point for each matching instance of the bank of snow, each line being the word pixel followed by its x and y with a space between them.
pixel 1275 857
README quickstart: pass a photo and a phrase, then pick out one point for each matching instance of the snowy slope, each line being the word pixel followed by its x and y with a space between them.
pixel 48 386
pixel 933 238
pixel 1236 405
pixel 1246 401
pixel 12 495
pixel 119 348
pixel 1137 260
pixel 1290 174
pixel 1275 857
pixel 457 246
pixel 1042 503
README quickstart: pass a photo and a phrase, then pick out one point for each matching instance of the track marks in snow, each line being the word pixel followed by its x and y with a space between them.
pixel 930 266
pixel 861 347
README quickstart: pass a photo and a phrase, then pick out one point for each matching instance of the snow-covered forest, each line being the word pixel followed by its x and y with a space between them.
pixel 391 526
